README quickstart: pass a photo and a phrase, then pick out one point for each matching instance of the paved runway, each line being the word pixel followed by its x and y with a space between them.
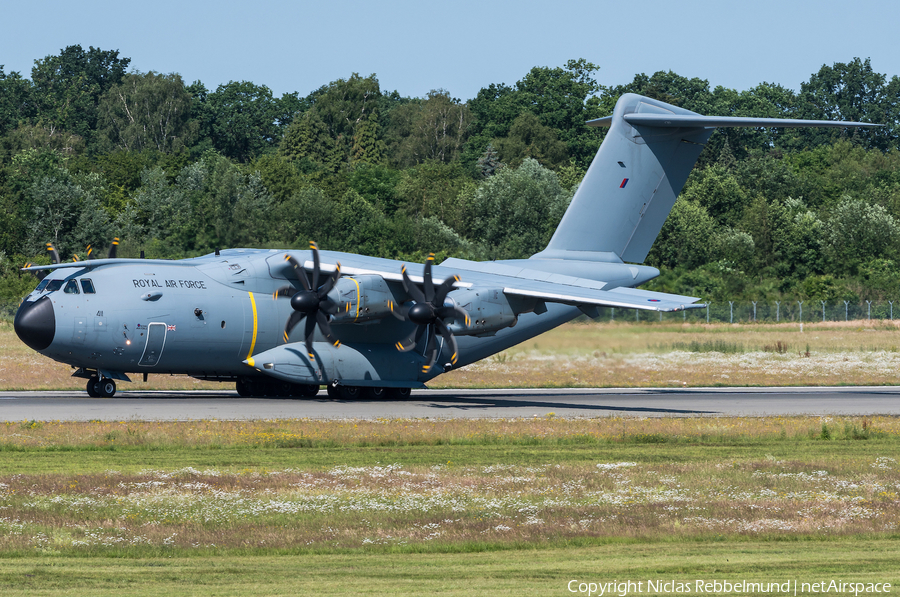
pixel 644 402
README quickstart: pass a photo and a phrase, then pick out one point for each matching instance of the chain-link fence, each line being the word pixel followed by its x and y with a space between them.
pixel 767 312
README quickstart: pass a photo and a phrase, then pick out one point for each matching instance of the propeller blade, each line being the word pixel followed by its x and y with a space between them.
pixel 428 282
pixel 299 274
pixel 292 322
pixel 431 350
pixel 308 336
pixel 113 248
pixel 330 282
pixel 332 308
pixel 316 264
pixel 284 291
pixel 443 290
pixel 411 289
pixel 454 312
pixel 398 311
pixel 325 328
pixel 54 255
pixel 449 340
pixel 409 343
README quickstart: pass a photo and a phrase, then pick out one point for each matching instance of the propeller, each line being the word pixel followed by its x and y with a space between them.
pixel 428 313
pixel 312 301
pixel 112 250
pixel 54 257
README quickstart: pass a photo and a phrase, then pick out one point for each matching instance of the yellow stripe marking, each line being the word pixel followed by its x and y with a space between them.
pixel 255 326
pixel 358 299
pixel 251 362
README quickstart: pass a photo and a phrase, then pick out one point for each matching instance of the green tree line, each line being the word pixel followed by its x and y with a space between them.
pixel 90 149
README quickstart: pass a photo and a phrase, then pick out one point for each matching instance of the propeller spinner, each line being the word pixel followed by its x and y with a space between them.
pixel 428 312
pixel 312 301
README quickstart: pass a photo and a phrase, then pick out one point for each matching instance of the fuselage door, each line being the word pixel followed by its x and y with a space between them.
pixel 156 339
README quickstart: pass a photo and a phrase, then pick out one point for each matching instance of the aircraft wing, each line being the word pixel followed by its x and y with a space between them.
pixel 559 288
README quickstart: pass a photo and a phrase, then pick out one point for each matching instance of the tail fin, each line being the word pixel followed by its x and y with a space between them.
pixel 632 183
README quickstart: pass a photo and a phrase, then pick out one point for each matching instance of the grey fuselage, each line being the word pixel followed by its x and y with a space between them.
pixel 206 317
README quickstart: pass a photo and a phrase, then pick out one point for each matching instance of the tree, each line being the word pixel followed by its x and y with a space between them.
pixel 307 143
pixel 684 238
pixel 240 119
pixel 434 189
pixel 68 87
pixel 857 232
pixel 378 184
pixel 850 91
pixel 67 213
pixel 368 148
pixel 515 212
pixel 159 211
pixel 437 129
pixel 342 125
pixel 16 101
pixel 528 138
pixel 561 98
pixel 717 190
pixel 147 110
pixel 489 162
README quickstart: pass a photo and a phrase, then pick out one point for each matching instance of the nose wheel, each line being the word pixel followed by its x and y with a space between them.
pixel 101 388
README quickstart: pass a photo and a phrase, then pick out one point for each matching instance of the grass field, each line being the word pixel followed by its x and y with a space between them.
pixel 608 355
pixel 461 507
pixel 458 507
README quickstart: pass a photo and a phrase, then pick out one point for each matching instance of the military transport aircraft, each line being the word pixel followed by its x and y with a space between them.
pixel 373 325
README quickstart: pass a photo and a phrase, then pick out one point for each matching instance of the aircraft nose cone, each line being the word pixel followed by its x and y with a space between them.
pixel 35 323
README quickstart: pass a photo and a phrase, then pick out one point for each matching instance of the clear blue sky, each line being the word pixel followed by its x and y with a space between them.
pixel 460 45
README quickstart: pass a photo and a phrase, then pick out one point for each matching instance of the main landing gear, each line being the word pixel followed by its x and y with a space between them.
pixel 101 388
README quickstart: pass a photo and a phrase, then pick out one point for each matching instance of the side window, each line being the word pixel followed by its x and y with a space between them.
pixel 71 287
pixel 54 285
pixel 42 285
pixel 87 286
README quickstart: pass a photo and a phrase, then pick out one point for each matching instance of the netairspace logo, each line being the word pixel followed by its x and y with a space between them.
pixel 724 587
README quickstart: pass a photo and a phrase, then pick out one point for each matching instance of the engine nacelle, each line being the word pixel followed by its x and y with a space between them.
pixel 489 311
pixel 365 298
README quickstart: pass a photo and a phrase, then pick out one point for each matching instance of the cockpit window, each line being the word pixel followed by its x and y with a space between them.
pixel 42 285
pixel 54 285
pixel 87 286
pixel 71 287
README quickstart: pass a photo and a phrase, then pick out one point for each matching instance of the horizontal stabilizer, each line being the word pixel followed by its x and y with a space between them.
pixel 698 121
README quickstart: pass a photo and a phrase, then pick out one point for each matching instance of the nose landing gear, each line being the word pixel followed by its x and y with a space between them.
pixel 101 388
